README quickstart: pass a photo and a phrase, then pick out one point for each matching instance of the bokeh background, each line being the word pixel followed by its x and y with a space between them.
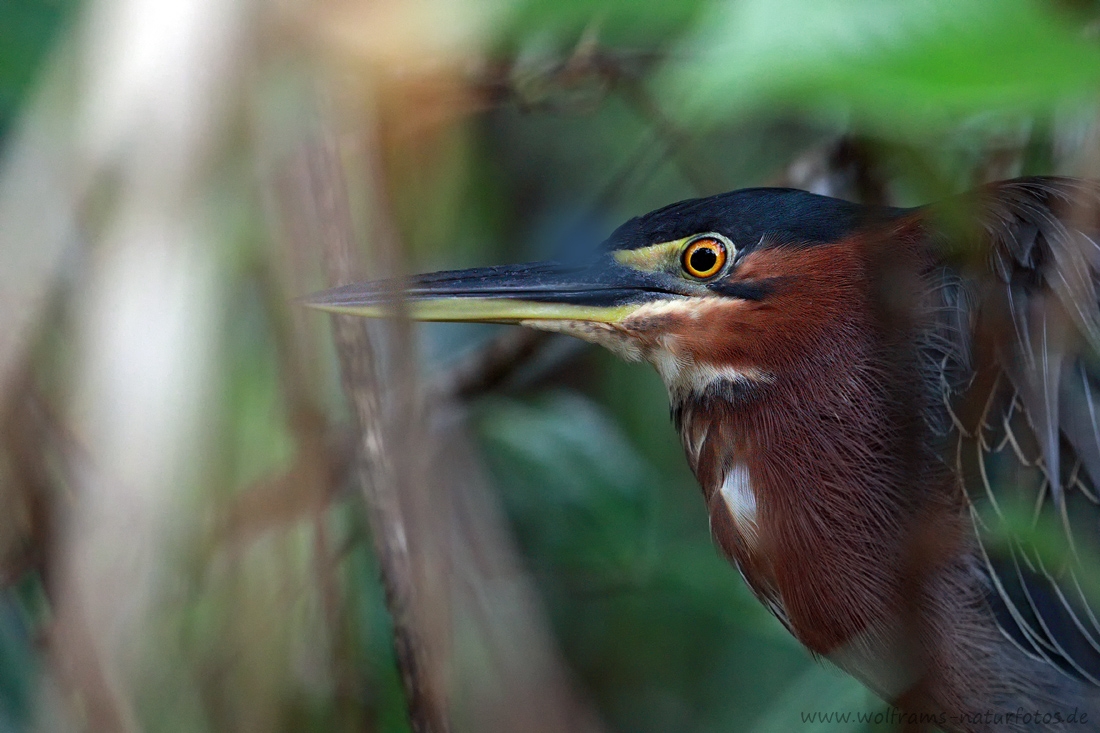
pixel 195 531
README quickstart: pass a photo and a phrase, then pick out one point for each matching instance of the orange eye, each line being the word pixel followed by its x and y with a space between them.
pixel 704 257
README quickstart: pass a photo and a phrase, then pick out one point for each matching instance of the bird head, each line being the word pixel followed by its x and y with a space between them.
pixel 734 288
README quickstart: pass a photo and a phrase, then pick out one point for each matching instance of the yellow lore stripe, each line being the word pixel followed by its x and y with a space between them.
pixel 664 257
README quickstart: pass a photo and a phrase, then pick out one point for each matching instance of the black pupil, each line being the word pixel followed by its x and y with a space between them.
pixel 703 259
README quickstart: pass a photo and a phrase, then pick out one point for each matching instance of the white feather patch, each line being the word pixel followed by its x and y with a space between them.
pixel 740 499
pixel 685 377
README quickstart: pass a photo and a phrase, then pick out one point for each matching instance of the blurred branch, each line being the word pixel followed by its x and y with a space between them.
pixel 374 468
pixel 675 138
pixel 32 434
pixel 528 686
pixel 41 170
pixel 325 461
pixel 326 453
pixel 577 82
pixel 583 80
pixel 80 667
pixel 490 365
pixel 27 529
pixel 846 168
pixel 306 489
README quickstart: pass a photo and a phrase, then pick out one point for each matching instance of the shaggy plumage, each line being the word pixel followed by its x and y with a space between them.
pixel 908 399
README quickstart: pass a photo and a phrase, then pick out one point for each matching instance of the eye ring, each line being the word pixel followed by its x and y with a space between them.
pixel 704 257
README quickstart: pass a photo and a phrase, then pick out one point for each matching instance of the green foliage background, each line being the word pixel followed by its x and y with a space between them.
pixel 661 633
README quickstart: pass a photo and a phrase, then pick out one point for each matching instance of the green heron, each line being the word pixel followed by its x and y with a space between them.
pixel 880 404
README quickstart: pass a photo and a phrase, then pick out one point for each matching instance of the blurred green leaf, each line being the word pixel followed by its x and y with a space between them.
pixel 18 666
pixel 820 689
pixel 569 437
pixel 558 23
pixel 901 66
pixel 27 28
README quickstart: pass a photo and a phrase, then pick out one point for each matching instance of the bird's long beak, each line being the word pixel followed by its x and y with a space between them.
pixel 605 291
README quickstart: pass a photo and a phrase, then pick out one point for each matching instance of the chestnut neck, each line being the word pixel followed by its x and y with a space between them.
pixel 828 446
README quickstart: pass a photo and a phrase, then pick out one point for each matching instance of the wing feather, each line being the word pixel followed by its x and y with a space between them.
pixel 1030 458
